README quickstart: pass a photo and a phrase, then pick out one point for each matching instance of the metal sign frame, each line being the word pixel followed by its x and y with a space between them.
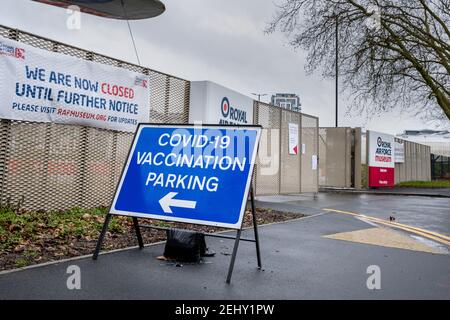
pixel 249 193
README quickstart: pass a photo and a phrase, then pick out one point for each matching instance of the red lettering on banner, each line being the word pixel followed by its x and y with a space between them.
pixel 59 167
pixel 117 91
pixel 383 158
pixel 99 167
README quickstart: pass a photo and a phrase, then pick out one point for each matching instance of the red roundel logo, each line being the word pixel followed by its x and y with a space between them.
pixel 225 107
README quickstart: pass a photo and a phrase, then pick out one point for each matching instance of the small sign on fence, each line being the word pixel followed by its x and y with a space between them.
pixel 293 138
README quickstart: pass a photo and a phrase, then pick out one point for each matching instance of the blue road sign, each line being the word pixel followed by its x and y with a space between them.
pixel 190 174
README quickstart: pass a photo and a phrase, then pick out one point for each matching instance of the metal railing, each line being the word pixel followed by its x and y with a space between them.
pixel 277 171
pixel 58 166
pixel 440 167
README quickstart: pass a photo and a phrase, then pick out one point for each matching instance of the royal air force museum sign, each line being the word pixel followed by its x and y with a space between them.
pixel 211 103
pixel 381 159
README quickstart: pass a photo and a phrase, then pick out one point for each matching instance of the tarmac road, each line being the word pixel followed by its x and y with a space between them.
pixel 299 262
pixel 424 212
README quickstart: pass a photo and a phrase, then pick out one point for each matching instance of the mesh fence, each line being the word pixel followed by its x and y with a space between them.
pixel 277 171
pixel 335 156
pixel 53 166
pixel 268 161
pixel 50 166
pixel 310 156
pixel 440 167
pixel 290 173
pixel 416 165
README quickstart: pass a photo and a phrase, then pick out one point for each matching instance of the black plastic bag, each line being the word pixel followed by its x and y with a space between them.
pixel 184 246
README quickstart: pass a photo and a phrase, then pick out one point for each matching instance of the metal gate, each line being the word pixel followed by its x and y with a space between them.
pixel 440 167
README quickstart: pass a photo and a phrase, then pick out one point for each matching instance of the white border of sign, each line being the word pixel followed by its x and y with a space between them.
pixel 237 225
pixel 372 147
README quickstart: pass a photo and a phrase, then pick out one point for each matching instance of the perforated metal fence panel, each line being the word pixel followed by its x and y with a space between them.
pixel 310 158
pixel 290 173
pixel 335 157
pixel 278 171
pixel 417 164
pixel 54 166
pixel 268 160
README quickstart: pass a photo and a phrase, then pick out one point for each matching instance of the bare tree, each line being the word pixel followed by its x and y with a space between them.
pixel 392 54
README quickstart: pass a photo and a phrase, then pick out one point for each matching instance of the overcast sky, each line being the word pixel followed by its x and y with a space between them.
pixel 218 40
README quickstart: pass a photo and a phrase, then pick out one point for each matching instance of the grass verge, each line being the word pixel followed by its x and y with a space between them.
pixel 28 238
pixel 424 184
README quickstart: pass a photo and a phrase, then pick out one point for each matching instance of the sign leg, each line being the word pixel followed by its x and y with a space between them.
pixel 102 235
pixel 255 227
pixel 233 256
pixel 138 232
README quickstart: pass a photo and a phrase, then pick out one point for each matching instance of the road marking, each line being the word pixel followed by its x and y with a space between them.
pixel 425 233
pixel 384 237
pixel 413 231
pixel 391 222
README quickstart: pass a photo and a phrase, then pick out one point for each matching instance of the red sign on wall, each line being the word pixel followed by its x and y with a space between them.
pixel 381 177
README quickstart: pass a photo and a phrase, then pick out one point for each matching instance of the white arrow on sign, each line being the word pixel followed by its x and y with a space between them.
pixel 168 201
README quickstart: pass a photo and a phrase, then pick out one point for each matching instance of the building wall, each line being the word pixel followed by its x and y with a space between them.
pixel 439 141
pixel 287 101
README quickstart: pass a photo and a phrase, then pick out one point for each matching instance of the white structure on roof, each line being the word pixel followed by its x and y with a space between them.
pixel 439 141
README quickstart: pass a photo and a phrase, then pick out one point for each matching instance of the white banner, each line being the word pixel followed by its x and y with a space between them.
pixel 293 138
pixel 43 86
pixel 399 152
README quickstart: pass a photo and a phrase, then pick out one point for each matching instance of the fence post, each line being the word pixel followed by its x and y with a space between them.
pixel 187 95
pixel 255 167
pixel 300 152
pixel 5 138
pixel 167 99
pixel 279 150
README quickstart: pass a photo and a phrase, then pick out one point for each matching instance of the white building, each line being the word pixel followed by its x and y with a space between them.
pixel 439 141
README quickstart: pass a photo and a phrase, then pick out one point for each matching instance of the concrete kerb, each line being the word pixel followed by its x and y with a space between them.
pixel 49 263
pixel 384 193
